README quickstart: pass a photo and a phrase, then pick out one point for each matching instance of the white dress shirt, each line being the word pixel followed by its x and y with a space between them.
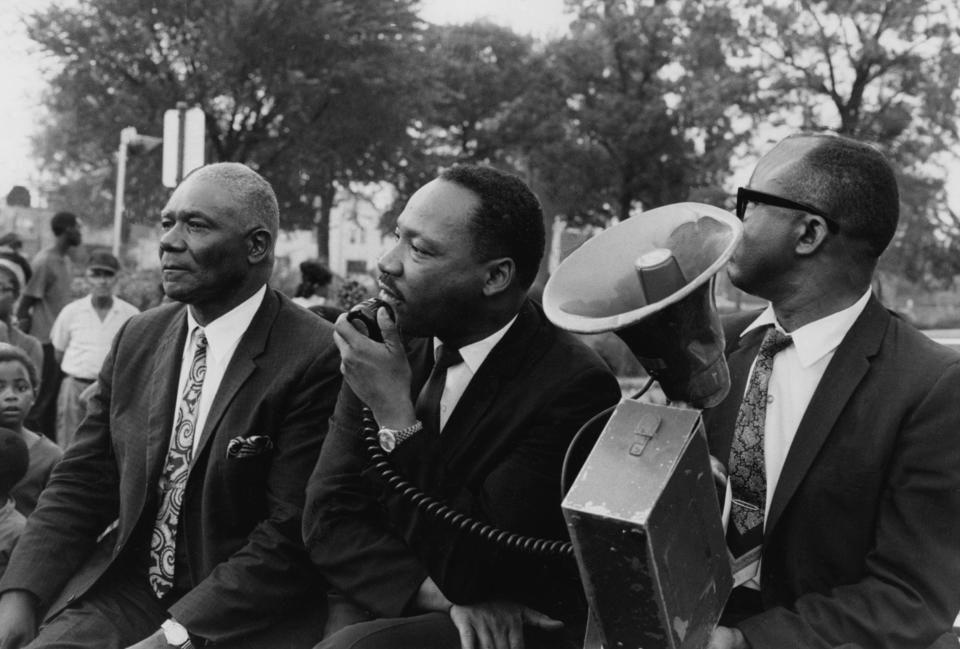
pixel 223 336
pixel 460 375
pixel 797 371
pixel 84 338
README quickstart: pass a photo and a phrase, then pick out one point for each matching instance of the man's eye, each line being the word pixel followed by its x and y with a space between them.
pixel 166 224
pixel 196 226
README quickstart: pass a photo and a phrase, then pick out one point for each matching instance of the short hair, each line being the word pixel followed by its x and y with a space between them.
pixel 9 269
pixel 60 221
pixel 13 354
pixel 14 460
pixel 854 183
pixel 253 190
pixel 509 220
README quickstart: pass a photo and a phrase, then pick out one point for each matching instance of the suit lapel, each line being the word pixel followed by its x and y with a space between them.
pixel 241 366
pixel 504 361
pixel 842 376
pixel 163 395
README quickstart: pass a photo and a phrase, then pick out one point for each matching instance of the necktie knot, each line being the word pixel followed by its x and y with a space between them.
pixel 774 342
pixel 447 357
pixel 199 338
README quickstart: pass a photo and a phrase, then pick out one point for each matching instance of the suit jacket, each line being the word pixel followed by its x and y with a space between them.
pixel 241 516
pixel 862 542
pixel 498 460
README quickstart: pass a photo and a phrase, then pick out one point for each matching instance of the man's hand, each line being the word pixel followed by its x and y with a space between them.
pixel 18 624
pixel 497 625
pixel 726 638
pixel 155 641
pixel 378 373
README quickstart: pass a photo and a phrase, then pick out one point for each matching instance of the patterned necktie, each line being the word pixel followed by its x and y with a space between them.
pixel 175 471
pixel 428 402
pixel 747 468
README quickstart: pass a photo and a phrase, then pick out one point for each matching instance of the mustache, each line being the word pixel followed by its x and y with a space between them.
pixel 387 282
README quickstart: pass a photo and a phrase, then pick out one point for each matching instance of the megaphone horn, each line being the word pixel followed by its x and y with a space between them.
pixel 649 279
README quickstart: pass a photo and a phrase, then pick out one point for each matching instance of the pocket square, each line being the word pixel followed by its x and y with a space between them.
pixel 239 447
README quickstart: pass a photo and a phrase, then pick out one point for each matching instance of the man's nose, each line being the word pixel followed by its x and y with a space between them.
pixel 171 239
pixel 389 262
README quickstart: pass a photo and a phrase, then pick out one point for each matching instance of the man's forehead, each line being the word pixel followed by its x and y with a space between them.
pixel 776 167
pixel 440 203
pixel 199 194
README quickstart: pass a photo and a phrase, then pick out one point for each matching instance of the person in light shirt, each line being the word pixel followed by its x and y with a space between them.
pixel 840 431
pixel 81 337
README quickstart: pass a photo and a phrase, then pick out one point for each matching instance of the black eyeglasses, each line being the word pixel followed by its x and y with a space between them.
pixel 746 196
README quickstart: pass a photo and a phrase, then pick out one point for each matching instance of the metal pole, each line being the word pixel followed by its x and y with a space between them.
pixel 121 184
pixel 182 117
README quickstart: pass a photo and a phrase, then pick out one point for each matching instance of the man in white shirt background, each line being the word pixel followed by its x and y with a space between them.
pixel 81 337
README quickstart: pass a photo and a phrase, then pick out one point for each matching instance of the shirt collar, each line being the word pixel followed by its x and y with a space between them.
pixel 224 332
pixel 816 339
pixel 475 353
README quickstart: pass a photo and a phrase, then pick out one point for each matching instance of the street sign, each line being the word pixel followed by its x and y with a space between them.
pixel 183 143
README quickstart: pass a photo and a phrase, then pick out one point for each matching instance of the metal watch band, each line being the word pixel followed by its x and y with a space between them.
pixel 391 438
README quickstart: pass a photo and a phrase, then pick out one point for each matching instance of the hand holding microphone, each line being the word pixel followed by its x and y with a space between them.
pixel 377 372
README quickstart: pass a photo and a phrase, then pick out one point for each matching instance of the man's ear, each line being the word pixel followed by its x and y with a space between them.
pixel 813 234
pixel 258 245
pixel 499 275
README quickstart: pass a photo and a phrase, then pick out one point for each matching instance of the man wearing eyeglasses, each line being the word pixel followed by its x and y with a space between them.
pixel 841 433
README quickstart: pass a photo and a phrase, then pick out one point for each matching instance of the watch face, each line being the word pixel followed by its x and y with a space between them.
pixel 388 441
pixel 175 635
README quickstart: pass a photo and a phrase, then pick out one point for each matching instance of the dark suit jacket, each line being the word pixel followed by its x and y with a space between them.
pixel 497 460
pixel 862 543
pixel 241 516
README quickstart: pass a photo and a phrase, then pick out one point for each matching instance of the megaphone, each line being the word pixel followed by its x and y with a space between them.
pixel 649 279
pixel 643 512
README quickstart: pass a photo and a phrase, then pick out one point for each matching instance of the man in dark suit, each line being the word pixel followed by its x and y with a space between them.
pixel 487 435
pixel 205 425
pixel 842 442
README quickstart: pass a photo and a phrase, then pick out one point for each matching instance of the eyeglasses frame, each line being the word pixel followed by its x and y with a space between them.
pixel 745 195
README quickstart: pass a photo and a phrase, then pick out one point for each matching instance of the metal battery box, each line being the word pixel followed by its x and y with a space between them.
pixel 644 519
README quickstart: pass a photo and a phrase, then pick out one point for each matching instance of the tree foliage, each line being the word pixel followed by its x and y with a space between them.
pixel 884 71
pixel 651 94
pixel 312 94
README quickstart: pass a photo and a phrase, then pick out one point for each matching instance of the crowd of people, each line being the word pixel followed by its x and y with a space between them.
pixel 244 470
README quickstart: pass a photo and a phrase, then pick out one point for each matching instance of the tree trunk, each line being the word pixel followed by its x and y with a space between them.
pixel 327 194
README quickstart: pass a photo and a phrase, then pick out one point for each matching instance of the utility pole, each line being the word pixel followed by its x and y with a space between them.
pixel 128 138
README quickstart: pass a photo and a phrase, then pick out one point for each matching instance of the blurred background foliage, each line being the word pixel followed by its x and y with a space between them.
pixel 640 103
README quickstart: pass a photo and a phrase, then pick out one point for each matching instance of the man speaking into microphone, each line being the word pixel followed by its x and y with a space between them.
pixel 478 411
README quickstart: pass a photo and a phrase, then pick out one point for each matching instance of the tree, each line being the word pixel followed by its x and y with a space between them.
pixel 312 94
pixel 884 71
pixel 471 75
pixel 651 102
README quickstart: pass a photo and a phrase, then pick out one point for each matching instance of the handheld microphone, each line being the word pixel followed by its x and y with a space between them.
pixel 366 313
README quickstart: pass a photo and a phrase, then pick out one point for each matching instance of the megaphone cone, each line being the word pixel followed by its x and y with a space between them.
pixel 649 280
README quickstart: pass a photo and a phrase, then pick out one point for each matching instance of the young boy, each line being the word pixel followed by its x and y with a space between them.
pixel 18 389
pixel 13 466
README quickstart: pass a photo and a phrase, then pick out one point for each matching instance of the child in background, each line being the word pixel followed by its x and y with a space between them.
pixel 18 389
pixel 13 465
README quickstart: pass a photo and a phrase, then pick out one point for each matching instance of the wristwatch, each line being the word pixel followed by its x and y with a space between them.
pixel 175 634
pixel 390 438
